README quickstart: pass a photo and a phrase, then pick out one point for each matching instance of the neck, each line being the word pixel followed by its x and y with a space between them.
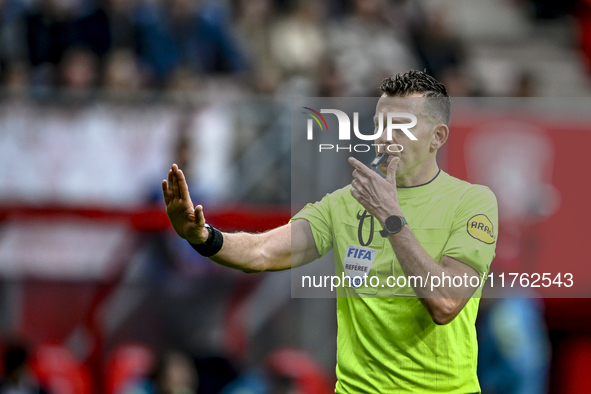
pixel 419 175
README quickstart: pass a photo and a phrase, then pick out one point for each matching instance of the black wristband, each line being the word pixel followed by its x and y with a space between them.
pixel 212 245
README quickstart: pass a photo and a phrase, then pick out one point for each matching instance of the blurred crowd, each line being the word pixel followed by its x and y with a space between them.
pixel 328 48
pixel 317 48
pixel 325 48
pixel 136 368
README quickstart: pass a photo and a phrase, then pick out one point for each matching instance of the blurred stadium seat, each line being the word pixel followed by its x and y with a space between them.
pixel 127 364
pixel 57 369
pixel 300 366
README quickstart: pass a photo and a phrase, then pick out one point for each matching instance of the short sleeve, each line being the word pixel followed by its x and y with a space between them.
pixel 319 216
pixel 474 229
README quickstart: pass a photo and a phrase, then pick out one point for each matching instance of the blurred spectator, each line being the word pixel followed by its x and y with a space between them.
pixel 122 26
pixel 458 83
pixel 438 49
pixel 215 373
pixel 331 80
pixel 254 22
pixel 13 53
pixel 368 47
pixel 252 382
pixel 298 44
pixel 15 75
pixel 183 39
pixel 174 374
pixel 58 26
pixel 284 371
pixel 17 377
pixel 179 375
pixel 442 53
pixel 128 363
pixel 514 349
pixel 122 71
pixel 526 85
pixel 78 69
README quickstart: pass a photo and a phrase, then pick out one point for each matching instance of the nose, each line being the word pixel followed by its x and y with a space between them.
pixel 383 141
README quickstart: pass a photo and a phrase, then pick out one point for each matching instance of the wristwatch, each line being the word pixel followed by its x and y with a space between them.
pixel 392 225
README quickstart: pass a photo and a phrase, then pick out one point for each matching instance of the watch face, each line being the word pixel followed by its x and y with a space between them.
pixel 393 224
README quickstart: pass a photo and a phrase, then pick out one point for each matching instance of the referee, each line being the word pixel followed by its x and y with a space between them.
pixel 433 228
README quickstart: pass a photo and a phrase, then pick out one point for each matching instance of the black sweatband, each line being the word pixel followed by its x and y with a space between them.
pixel 212 245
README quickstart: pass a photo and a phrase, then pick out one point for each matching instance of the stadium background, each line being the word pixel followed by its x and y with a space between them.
pixel 98 98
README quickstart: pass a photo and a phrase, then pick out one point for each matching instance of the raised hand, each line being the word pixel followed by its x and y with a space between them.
pixel 188 221
pixel 376 194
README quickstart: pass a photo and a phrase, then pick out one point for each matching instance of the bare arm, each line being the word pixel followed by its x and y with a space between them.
pixel 278 249
pixel 444 302
pixel 284 247
pixel 380 197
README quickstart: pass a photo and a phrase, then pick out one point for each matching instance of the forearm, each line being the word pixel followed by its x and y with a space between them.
pixel 274 250
pixel 282 248
pixel 380 198
pixel 442 302
pixel 250 253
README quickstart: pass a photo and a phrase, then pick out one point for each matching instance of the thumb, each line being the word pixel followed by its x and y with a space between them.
pixel 199 216
pixel 391 173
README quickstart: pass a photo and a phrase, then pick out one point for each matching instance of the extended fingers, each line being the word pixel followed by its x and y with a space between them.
pixel 176 187
pixel 360 179
pixel 360 175
pixel 175 181
pixel 359 166
pixel 170 185
pixel 391 173
pixel 199 216
pixel 165 192
pixel 183 187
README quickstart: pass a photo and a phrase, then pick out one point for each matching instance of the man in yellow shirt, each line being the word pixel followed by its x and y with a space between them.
pixel 413 337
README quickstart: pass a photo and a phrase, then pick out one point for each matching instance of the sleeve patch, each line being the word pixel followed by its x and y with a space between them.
pixel 481 228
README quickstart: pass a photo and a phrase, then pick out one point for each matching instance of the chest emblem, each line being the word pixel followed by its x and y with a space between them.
pixel 361 217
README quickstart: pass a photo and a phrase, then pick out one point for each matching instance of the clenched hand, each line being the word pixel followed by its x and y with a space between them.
pixel 376 194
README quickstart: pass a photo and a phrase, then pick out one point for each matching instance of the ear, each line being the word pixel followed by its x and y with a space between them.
pixel 440 135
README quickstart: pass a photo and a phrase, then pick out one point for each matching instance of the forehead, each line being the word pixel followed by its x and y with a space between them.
pixel 412 104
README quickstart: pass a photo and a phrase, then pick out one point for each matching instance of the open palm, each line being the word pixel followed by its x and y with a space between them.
pixel 188 221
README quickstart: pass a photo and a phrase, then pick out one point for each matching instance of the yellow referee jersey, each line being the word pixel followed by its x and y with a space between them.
pixel 387 342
